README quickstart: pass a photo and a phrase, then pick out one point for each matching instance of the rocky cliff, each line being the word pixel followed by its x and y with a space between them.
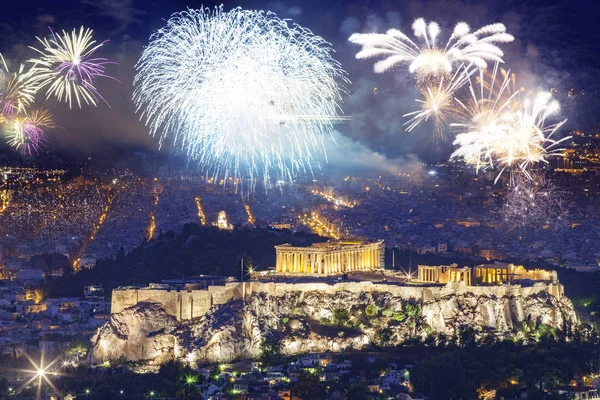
pixel 332 320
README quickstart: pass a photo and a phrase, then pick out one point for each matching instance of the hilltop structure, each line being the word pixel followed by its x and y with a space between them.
pixel 496 273
pixel 330 258
pixel 214 319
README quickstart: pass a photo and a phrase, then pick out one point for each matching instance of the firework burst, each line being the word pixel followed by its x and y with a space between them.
pixel 67 69
pixel 242 92
pixel 533 202
pixel 27 133
pixel 430 58
pixel 499 129
pixel 17 91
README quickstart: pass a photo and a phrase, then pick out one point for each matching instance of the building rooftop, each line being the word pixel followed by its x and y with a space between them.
pixel 334 245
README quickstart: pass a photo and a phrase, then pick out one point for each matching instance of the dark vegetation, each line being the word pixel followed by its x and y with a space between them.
pixel 507 367
pixel 196 250
pixel 442 371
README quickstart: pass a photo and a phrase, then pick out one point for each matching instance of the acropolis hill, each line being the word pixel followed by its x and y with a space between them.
pixel 304 309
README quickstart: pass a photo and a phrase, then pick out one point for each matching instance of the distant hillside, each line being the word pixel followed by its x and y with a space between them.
pixel 196 250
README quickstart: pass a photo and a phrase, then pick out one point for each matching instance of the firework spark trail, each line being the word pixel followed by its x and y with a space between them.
pixel 428 59
pixel 244 93
pixel 65 67
pixel 500 129
pixel 533 202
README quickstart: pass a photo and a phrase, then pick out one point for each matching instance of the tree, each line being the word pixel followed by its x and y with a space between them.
pixel 412 314
pixel 358 390
pixel 3 387
pixel 383 337
pixel 309 386
pixel 371 310
pixel 341 316
pixel 270 350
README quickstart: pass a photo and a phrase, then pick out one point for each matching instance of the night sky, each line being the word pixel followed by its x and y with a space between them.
pixel 556 46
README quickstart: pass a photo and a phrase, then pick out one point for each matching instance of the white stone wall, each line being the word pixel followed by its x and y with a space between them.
pixel 187 304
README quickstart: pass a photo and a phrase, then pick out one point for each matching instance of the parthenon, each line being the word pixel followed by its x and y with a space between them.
pixel 330 258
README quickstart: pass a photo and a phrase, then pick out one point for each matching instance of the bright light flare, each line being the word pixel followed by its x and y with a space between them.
pixel 39 374
pixel 243 93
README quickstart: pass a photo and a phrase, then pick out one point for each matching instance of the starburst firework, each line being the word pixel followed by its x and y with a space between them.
pixel 66 68
pixel 438 102
pixel 242 92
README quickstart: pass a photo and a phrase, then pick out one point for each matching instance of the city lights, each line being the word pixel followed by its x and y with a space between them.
pixel 201 215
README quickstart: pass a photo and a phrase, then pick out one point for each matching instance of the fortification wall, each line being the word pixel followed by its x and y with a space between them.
pixel 188 304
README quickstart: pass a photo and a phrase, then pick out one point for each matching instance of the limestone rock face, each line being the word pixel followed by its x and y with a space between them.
pixel 309 321
pixel 143 332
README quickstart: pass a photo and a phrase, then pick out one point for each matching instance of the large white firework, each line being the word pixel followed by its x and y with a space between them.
pixel 243 92
pixel 431 57
pixel 499 129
